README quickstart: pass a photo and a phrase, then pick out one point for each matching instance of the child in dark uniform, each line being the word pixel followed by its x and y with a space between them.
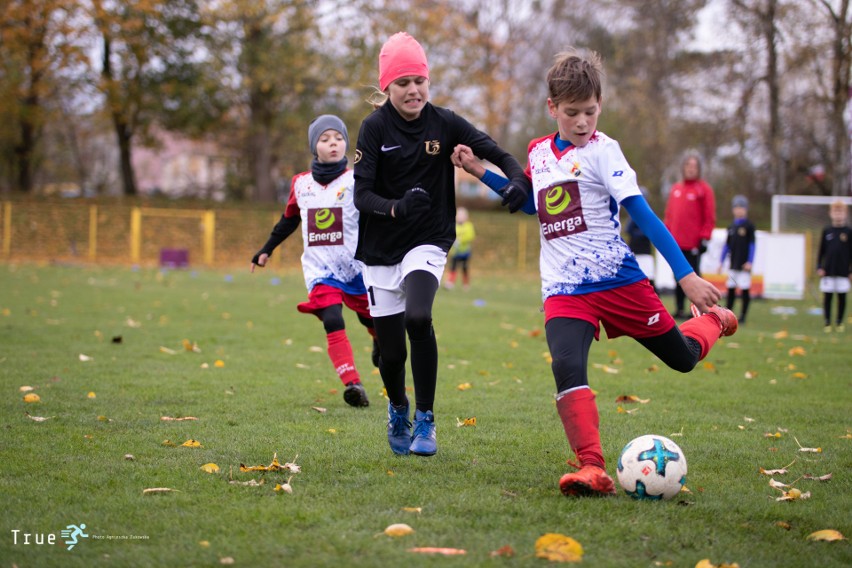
pixel 405 191
pixel 740 245
pixel 835 254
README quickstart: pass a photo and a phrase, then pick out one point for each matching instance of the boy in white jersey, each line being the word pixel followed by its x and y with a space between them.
pixel 589 274
pixel 321 201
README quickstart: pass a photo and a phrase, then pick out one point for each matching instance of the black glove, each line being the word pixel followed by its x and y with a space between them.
pixel 702 248
pixel 515 195
pixel 256 258
pixel 414 203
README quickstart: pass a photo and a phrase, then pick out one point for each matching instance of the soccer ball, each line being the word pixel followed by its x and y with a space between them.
pixel 651 467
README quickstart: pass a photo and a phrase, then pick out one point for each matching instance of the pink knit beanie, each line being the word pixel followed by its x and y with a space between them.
pixel 401 56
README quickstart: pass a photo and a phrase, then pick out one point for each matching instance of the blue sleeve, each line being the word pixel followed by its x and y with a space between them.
pixel 724 253
pixel 751 252
pixel 497 182
pixel 651 225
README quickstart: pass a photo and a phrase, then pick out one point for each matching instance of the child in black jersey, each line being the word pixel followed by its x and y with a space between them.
pixel 835 254
pixel 740 244
pixel 405 191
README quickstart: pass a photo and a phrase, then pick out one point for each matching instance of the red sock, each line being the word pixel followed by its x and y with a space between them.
pixel 340 353
pixel 703 329
pixel 579 414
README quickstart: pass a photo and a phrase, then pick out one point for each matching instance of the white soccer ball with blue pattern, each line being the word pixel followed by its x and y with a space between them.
pixel 651 467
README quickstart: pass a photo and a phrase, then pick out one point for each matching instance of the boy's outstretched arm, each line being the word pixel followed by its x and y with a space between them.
pixel 464 158
pixel 283 229
pixel 700 292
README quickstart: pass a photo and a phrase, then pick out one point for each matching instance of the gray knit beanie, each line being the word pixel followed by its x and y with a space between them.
pixel 322 123
pixel 740 201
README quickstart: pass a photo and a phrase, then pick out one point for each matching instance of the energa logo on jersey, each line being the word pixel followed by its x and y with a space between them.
pixel 560 210
pixel 325 226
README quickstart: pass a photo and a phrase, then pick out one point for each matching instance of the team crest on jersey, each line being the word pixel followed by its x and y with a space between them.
pixel 325 226
pixel 575 169
pixel 741 231
pixel 433 147
pixel 560 210
pixel 341 193
pixel 843 237
pixel 358 155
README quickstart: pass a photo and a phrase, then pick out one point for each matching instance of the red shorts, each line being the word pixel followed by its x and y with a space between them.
pixel 634 310
pixel 322 296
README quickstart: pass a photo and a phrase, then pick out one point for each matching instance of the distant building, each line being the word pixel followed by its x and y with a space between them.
pixel 180 167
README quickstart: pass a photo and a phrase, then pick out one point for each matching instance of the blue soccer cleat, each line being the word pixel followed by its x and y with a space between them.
pixel 424 442
pixel 399 428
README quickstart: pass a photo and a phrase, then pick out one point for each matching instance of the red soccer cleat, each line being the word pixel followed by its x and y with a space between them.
pixel 589 481
pixel 727 320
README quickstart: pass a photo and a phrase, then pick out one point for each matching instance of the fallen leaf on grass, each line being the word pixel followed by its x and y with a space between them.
pixel 794 495
pixel 825 477
pixel 751 374
pixel 558 548
pixel 398 529
pixel 413 509
pixel 249 483
pixel 812 450
pixel 707 564
pixel 632 398
pixel 168 443
pixel 797 351
pixel 192 444
pixel 167 351
pixel 178 419
pixel 274 466
pixel 780 471
pixel 38 418
pixel 86 358
pixel 828 535
pixel 31 397
pixel 319 409
pixel 284 487
pixel 210 468
pixel 606 368
pixel 504 551
pixel 709 366
pixel 26 389
pixel 799 375
pixel 129 457
pixel 91 394
pixel 103 418
pixel 622 410
pixel 219 364
pixel 466 422
pixel 434 550
pixel 465 386
pixel 783 334
pixel 157 490
pixel 191 346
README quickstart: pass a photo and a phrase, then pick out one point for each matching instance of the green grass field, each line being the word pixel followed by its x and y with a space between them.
pixel 489 486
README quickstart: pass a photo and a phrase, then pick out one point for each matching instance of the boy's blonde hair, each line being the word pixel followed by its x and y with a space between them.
pixel 575 77
pixel 838 205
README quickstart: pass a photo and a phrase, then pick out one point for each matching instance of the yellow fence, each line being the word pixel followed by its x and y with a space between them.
pixel 81 231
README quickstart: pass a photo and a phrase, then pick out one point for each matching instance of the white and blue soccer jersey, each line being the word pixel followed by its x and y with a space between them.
pixel 329 231
pixel 576 193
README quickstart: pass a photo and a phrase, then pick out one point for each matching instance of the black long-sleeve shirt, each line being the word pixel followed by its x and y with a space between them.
pixel 394 155
pixel 835 251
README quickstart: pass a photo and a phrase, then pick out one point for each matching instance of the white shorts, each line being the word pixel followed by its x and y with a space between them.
pixel 739 279
pixel 834 284
pixel 647 265
pixel 386 284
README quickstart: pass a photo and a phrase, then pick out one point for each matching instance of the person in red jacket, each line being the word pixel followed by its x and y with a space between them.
pixel 690 217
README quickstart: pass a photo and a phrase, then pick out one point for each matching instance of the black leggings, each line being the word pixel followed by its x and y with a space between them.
pixel 416 322
pixel 332 319
pixel 826 307
pixel 570 339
